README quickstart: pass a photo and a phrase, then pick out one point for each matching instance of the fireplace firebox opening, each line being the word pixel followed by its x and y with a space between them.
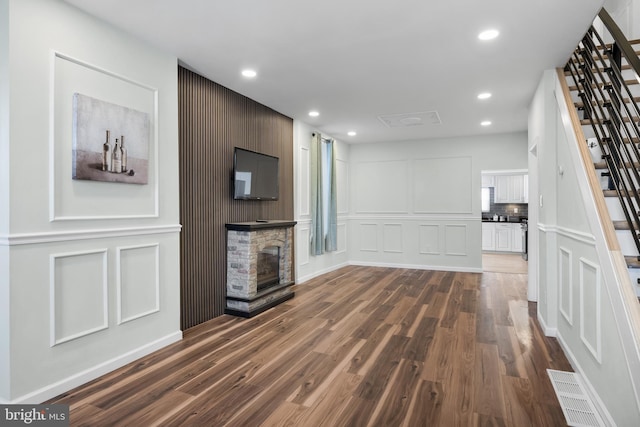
pixel 268 268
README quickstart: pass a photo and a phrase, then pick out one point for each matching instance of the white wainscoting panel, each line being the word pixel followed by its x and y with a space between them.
pixel 442 185
pixel 590 307
pixel 342 176
pixel 342 238
pixel 304 180
pixel 369 237
pixel 302 248
pixel 429 239
pixel 78 295
pixel 392 235
pixel 565 280
pixel 382 187
pixel 455 237
pixel 137 281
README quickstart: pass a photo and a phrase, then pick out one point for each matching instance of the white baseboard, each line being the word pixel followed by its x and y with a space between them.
pixel 591 391
pixel 593 395
pixel 550 332
pixel 418 267
pixel 52 390
pixel 308 277
pixel 320 272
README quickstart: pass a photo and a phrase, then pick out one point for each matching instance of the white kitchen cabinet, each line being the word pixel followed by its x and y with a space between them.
pixel 501 193
pixel 501 237
pixel 504 237
pixel 511 189
pixel 516 189
pixel 516 245
pixel 488 236
pixel 488 180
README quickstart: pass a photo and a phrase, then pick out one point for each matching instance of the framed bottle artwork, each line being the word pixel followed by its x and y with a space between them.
pixel 110 142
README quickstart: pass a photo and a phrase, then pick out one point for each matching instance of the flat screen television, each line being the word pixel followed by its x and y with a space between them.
pixel 255 175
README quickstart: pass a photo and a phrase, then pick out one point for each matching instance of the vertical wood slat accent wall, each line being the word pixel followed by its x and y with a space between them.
pixel 213 120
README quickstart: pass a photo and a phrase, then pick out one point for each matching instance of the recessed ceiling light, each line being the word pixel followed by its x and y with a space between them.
pixel 488 35
pixel 249 73
pixel 485 123
pixel 484 95
pixel 351 133
pixel 314 113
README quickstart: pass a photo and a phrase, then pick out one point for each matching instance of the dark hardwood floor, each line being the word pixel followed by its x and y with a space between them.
pixel 359 346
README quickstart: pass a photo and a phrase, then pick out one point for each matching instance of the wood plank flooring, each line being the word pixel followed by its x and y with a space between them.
pixel 360 346
pixel 504 263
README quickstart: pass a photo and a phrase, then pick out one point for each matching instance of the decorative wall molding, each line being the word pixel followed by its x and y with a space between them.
pixel 417 266
pixel 73 235
pixel 302 246
pixel 370 244
pixel 591 288
pixel 375 179
pixel 305 181
pixel 71 308
pixel 429 234
pixel 342 238
pixel 565 280
pixel 342 175
pixel 416 241
pixel 54 181
pixel 442 178
pixel 615 280
pixel 579 236
pixel 121 282
pixel 451 247
pixel 303 232
pixel 392 238
pixel 73 381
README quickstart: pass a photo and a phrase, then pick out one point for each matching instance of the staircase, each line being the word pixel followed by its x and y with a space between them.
pixel 602 78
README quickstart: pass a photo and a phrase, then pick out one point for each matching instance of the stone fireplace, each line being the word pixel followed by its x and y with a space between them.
pixel 259 266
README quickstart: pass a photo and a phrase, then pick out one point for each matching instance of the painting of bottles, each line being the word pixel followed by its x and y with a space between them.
pixel 110 142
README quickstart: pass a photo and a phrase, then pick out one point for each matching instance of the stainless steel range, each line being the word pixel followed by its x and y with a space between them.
pixel 524 226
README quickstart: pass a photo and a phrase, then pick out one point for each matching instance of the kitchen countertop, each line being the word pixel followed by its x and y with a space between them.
pixel 511 220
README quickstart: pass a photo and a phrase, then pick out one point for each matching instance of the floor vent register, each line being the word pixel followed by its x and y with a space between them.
pixel 577 406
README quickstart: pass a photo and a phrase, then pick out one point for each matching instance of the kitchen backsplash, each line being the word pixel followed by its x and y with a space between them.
pixel 506 209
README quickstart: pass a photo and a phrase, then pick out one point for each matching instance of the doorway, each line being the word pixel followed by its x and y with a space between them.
pixel 504 263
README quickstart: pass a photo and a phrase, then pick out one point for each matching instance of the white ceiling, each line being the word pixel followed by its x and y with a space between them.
pixel 356 60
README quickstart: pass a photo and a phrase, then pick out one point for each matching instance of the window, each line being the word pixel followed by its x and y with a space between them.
pixel 324 234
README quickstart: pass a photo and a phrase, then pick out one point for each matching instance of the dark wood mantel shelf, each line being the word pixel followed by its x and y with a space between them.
pixel 258 225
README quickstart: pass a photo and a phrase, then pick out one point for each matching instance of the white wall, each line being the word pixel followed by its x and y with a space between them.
pixel 307 265
pixel 542 200
pixel 4 197
pixel 91 268
pixel 626 13
pixel 579 299
pixel 417 204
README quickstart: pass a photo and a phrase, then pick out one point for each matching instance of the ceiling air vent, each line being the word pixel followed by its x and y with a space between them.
pixel 411 119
